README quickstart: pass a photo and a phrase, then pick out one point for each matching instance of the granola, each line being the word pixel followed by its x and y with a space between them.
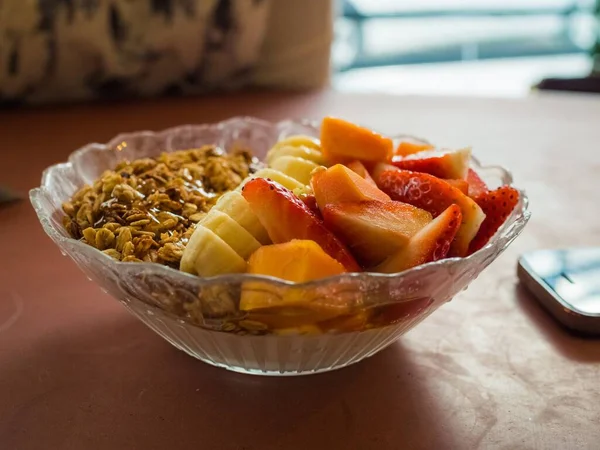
pixel 146 209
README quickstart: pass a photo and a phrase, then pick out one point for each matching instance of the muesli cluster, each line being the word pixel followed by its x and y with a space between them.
pixel 145 210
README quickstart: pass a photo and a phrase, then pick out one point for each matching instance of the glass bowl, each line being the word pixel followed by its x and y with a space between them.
pixel 201 316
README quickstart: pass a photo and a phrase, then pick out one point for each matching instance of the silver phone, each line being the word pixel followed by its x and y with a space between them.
pixel 567 284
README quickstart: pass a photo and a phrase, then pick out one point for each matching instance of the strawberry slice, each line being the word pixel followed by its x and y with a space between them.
pixel 310 201
pixel 374 230
pixel 477 186
pixel 434 195
pixel 377 169
pixel 429 244
pixel 497 206
pixel 442 164
pixel 286 217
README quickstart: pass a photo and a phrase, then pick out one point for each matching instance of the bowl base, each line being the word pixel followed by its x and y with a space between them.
pixel 270 373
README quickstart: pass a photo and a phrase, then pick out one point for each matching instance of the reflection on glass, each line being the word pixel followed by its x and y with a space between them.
pixel 573 274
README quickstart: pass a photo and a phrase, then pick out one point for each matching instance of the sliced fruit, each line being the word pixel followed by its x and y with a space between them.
pixel 442 164
pixel 434 195
pixel 206 254
pixel 406 148
pixel 399 311
pixel 310 201
pixel 236 236
pixel 299 151
pixel 299 140
pixel 497 206
pixel 358 168
pixel 289 316
pixel 345 141
pixel 298 330
pixel 340 184
pixel 347 323
pixel 304 190
pixel 377 169
pixel 477 186
pixel 275 175
pixel 298 168
pixel 374 230
pixel 461 185
pixel 285 307
pixel 298 260
pixel 286 217
pixel 235 206
pixel 429 244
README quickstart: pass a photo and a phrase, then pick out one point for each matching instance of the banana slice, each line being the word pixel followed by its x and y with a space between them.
pixel 274 175
pixel 235 206
pixel 297 168
pixel 206 255
pixel 300 140
pixel 300 152
pixel 236 236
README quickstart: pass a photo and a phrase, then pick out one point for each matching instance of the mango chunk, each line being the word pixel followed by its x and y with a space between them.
pixel 340 184
pixel 406 148
pixel 286 307
pixel 359 168
pixel 344 141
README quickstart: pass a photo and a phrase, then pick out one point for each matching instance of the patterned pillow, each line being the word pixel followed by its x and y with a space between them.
pixel 69 50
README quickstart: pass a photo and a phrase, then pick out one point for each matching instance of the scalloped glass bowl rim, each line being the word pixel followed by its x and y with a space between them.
pixel 520 211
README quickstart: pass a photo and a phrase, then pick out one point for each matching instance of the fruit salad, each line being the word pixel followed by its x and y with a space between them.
pixel 351 201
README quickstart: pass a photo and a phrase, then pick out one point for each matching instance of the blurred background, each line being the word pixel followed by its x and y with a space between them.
pixel 63 50
pixel 461 47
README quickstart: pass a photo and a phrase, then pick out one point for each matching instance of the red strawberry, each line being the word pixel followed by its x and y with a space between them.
pixel 286 217
pixel 497 206
pixel 434 195
pixel 430 244
pixel 377 169
pixel 373 229
pixel 442 164
pixel 310 201
pixel 476 184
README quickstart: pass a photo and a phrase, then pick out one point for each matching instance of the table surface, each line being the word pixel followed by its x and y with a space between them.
pixel 488 370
